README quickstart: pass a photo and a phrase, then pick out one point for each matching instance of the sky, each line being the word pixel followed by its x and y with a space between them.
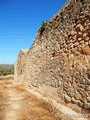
pixel 19 23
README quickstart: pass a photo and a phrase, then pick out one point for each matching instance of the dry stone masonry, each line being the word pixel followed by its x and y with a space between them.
pixel 20 66
pixel 60 55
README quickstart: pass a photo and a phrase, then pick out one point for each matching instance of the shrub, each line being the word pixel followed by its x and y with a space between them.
pixel 43 27
pixel 6 72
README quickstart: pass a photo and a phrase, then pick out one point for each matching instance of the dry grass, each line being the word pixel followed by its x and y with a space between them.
pixel 20 88
pixel 29 107
pixel 5 82
pixel 3 99
pixel 34 108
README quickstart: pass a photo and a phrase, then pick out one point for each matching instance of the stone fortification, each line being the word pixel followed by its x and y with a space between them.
pixel 60 55
pixel 20 66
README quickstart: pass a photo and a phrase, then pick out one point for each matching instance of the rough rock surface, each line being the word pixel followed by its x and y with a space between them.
pixel 60 55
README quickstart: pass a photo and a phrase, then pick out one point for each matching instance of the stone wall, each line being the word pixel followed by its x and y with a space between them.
pixel 60 55
pixel 20 66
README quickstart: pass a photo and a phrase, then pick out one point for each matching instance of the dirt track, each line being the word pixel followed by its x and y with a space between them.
pixel 18 104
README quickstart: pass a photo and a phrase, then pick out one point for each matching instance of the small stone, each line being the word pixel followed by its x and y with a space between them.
pixel 87 105
pixel 89 42
pixel 75 101
pixel 88 82
pixel 79 39
pixel 86 43
pixel 67 98
pixel 84 35
pixel 87 38
pixel 88 99
pixel 80 104
pixel 73 32
pixel 87 88
pixel 78 96
pixel 80 33
pixel 81 28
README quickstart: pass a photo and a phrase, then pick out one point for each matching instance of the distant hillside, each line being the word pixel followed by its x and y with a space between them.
pixel 6 69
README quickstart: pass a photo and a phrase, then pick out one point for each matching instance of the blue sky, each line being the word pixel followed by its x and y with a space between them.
pixel 19 22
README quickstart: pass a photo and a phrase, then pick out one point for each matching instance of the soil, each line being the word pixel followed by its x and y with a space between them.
pixel 16 103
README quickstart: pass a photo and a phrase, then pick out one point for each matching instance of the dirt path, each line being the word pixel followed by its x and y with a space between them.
pixel 18 104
